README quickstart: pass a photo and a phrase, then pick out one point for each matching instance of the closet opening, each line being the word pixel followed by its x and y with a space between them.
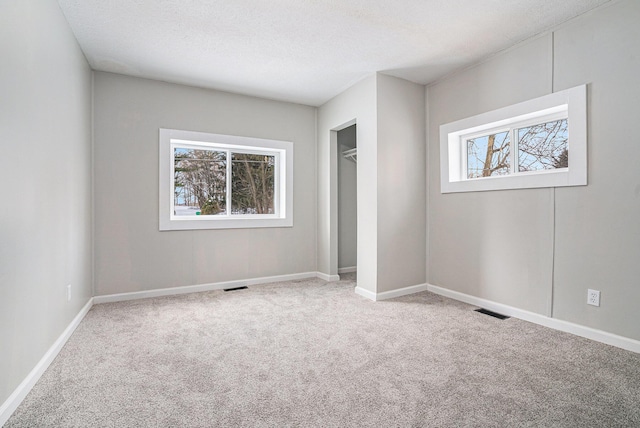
pixel 347 202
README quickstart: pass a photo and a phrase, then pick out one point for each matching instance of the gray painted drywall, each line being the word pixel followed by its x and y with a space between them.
pixel 526 247
pixel 355 105
pixel 45 220
pixel 130 253
pixel 598 226
pixel 347 201
pixel 482 231
pixel 401 184
pixel 389 113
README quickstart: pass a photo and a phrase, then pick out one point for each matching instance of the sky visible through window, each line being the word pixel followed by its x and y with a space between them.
pixel 488 155
pixel 200 183
pixel 543 146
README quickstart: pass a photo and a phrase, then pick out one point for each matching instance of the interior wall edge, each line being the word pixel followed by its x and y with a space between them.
pixel 427 135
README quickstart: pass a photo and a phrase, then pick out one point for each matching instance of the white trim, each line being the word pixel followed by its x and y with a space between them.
pixel 173 291
pixel 281 150
pixel 554 323
pixel 365 293
pixel 328 278
pixel 348 269
pixel 569 103
pixel 412 289
pixel 391 294
pixel 19 394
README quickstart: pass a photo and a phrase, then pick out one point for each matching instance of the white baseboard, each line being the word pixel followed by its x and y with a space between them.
pixel 159 292
pixel 554 323
pixel 14 400
pixel 402 291
pixel 19 394
pixel 366 293
pixel 348 269
pixel 328 278
pixel 391 294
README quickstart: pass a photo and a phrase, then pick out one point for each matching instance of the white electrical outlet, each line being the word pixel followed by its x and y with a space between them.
pixel 69 293
pixel 593 297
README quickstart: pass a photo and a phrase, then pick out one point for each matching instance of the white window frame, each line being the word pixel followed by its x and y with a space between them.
pixel 569 104
pixel 169 139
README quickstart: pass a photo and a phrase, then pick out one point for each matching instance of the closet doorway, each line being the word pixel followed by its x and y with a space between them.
pixel 347 201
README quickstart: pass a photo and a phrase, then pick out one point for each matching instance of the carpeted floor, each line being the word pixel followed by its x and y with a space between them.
pixel 315 354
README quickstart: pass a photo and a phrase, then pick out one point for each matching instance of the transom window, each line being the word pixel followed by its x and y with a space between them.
pixel 522 148
pixel 210 181
pixel 538 143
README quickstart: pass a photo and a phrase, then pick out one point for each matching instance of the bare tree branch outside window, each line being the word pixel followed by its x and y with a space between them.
pixel 200 183
pixel 488 155
pixel 543 146
pixel 200 178
pixel 252 184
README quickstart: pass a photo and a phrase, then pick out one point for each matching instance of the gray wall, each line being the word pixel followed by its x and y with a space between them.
pixel 541 249
pixel 356 104
pixel 45 220
pixel 390 117
pixel 401 184
pixel 130 253
pixel 598 226
pixel 483 231
pixel 347 201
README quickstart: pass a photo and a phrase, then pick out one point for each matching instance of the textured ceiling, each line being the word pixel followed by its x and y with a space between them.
pixel 304 51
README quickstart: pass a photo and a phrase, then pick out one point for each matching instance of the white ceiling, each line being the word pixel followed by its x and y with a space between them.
pixel 304 51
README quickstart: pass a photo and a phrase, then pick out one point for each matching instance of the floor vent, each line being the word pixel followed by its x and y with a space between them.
pixel 235 288
pixel 492 314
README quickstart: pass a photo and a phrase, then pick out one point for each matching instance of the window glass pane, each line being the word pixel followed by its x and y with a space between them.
pixel 488 155
pixel 200 182
pixel 252 184
pixel 543 146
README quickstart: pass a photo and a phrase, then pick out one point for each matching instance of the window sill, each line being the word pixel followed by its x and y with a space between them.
pixel 224 223
pixel 573 101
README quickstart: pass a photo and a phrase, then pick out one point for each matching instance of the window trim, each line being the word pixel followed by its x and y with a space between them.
pixel 570 103
pixel 283 150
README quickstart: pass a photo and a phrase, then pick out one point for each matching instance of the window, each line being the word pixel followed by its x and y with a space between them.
pixel 537 143
pixel 210 181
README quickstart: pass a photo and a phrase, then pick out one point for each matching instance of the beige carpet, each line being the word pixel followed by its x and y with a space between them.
pixel 315 354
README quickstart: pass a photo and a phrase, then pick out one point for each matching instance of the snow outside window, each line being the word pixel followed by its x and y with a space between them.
pixel 210 181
